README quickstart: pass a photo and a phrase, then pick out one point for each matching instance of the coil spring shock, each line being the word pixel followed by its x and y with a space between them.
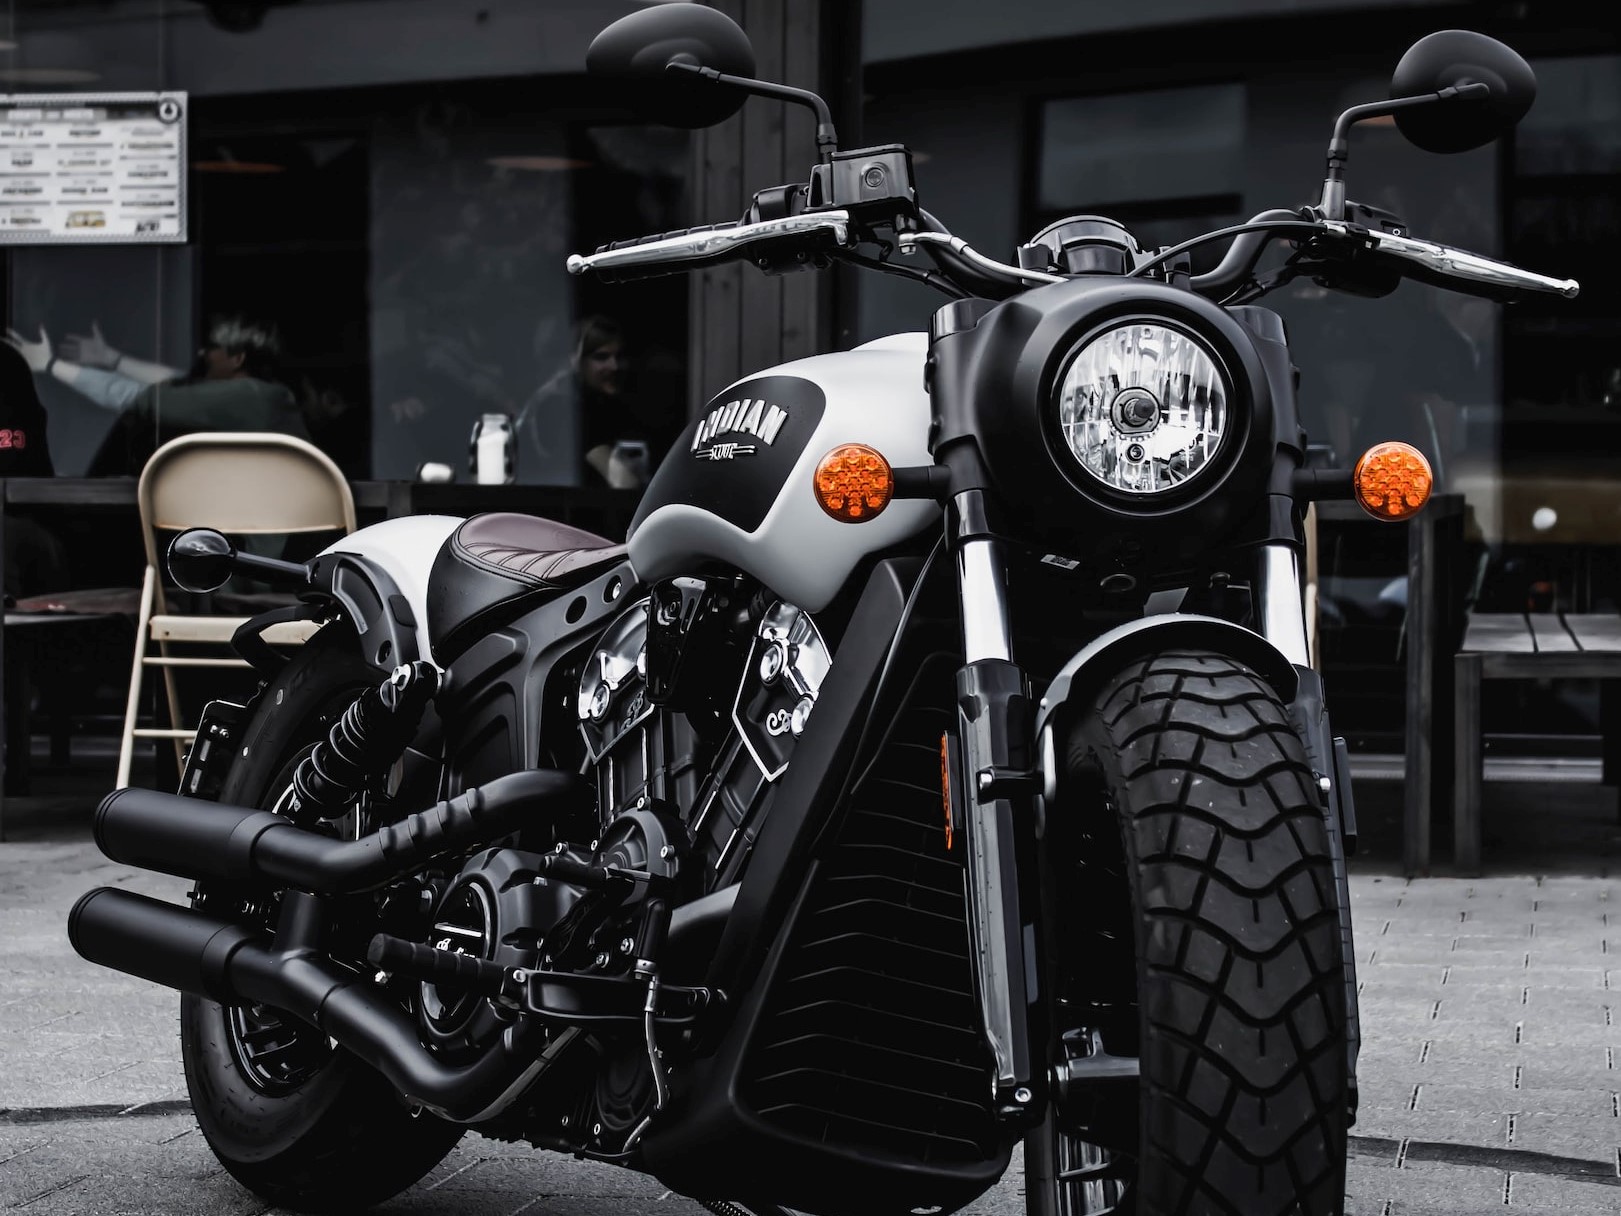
pixel 371 735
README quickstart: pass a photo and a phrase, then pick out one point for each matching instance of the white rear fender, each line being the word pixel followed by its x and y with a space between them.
pixel 380 576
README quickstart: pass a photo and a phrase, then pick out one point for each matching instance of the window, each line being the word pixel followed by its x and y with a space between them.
pixel 396 210
pixel 1167 163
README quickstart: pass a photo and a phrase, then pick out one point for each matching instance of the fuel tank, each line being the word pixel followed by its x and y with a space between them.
pixel 737 488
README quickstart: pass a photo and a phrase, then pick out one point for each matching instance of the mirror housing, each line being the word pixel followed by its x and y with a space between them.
pixel 1450 59
pixel 201 560
pixel 638 50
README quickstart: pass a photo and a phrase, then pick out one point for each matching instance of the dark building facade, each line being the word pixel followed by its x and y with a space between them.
pixel 394 186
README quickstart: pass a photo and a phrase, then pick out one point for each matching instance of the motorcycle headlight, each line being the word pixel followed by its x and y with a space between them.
pixel 1144 407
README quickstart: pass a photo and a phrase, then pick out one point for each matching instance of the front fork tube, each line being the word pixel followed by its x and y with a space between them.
pixel 995 788
pixel 1282 620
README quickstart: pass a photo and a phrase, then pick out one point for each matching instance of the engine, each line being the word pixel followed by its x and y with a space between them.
pixel 689 706
pixel 693 701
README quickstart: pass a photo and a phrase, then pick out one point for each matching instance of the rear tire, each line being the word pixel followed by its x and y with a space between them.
pixel 304 1126
pixel 1240 992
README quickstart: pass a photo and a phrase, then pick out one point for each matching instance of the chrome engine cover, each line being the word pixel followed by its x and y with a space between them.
pixel 640 753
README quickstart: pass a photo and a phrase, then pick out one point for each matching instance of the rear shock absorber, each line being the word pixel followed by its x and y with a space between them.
pixel 371 735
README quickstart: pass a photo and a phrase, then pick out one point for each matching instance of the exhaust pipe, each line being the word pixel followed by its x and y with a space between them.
pixel 191 838
pixel 196 953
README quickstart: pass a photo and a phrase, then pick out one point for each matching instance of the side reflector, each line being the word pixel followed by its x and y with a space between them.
pixel 1393 481
pixel 854 483
pixel 945 786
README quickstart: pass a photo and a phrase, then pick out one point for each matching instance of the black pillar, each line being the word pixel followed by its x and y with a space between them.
pixel 741 320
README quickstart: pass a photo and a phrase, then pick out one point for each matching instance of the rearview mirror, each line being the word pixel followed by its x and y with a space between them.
pixel 1452 58
pixel 637 51
pixel 201 560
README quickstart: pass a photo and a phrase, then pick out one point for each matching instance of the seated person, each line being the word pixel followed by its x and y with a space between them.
pixel 34 560
pixel 231 387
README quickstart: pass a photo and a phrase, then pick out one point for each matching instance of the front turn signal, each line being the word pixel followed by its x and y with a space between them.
pixel 854 483
pixel 1393 481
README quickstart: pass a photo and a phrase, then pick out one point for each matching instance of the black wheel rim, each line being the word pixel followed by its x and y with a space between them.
pixel 275 1052
pixel 1090 1181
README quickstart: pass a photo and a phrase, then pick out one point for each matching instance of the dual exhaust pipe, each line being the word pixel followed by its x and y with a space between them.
pixel 202 954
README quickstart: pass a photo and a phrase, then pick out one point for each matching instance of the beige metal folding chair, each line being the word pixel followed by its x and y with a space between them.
pixel 243 484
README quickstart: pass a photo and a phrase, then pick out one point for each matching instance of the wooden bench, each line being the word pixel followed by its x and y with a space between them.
pixel 1507 646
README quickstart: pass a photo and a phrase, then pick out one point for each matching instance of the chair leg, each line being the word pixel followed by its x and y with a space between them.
pixel 1609 728
pixel 143 626
pixel 1468 764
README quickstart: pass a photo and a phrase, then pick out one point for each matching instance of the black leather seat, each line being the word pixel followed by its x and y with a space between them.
pixel 504 560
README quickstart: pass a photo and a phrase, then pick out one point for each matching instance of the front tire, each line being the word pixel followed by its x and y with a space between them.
pixel 1219 840
pixel 301 1124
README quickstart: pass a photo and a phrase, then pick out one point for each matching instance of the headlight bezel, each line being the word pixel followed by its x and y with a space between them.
pixel 1150 392
pixel 1235 438
pixel 992 374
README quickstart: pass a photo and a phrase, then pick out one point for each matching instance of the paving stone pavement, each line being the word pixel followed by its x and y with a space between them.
pixel 1489 1064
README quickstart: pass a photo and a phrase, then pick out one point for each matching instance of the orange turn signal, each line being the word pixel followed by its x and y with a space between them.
pixel 854 483
pixel 945 786
pixel 1393 481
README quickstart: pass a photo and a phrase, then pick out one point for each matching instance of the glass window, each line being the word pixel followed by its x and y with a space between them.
pixel 375 237
pixel 1167 163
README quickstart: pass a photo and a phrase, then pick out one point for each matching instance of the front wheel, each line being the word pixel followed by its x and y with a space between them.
pixel 1186 798
pixel 302 1124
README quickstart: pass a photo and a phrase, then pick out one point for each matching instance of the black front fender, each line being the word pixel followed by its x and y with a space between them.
pixel 1102 658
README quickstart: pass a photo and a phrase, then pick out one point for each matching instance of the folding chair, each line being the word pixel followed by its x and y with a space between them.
pixel 242 484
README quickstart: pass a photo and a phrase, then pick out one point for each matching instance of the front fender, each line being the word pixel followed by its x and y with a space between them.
pixel 1102 658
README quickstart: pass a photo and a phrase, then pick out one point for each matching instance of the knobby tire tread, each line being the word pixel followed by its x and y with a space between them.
pixel 1240 980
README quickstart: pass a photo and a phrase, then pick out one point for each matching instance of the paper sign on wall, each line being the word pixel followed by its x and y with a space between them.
pixel 81 168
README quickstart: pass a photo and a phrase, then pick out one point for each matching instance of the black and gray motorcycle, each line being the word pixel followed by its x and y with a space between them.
pixel 940 767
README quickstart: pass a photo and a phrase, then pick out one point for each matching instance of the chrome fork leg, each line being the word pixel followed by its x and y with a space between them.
pixel 1280 602
pixel 982 586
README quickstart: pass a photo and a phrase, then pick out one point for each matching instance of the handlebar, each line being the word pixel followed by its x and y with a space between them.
pixel 1444 266
pixel 670 251
pixel 1426 261
pixel 1241 256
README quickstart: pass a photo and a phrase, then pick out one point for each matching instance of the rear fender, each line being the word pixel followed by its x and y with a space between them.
pixel 378 576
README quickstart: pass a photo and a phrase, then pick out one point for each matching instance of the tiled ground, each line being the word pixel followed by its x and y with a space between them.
pixel 1489 1067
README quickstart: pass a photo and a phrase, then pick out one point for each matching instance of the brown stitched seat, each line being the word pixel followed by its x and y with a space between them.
pixel 528 549
pixel 502 562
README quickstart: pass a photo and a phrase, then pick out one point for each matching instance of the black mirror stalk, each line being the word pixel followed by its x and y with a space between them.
pixel 1332 204
pixel 827 139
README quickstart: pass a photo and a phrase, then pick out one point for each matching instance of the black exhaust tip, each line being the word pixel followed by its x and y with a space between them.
pixel 156 941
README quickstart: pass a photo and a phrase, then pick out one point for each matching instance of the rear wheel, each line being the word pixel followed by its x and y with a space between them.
pixel 297 1121
pixel 1186 798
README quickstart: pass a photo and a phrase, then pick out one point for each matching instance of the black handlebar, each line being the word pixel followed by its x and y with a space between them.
pixel 1238 263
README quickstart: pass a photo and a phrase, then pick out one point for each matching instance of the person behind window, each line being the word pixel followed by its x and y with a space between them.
pixel 34 558
pixel 621 441
pixel 24 450
pixel 232 386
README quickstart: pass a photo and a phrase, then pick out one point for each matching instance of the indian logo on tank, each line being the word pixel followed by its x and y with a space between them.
pixel 755 418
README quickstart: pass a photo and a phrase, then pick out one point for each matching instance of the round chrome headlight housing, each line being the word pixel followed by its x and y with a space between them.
pixel 1144 407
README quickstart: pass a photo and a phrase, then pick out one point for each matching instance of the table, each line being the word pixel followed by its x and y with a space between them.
pixel 1507 646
